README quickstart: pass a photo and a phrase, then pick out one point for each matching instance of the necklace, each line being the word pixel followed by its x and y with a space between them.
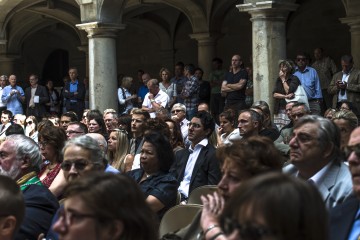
pixel 51 167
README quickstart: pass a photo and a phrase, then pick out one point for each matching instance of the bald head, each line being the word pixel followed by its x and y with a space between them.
pixel 100 139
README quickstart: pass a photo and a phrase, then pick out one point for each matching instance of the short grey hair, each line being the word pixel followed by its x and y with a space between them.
pixel 328 132
pixel 25 147
pixel 89 144
pixel 179 105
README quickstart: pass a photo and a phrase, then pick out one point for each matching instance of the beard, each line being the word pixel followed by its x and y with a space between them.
pixel 13 172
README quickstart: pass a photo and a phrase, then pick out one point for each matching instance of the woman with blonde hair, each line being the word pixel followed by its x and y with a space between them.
pixel 167 86
pixel 118 150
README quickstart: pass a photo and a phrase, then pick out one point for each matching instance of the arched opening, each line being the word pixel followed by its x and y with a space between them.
pixel 56 67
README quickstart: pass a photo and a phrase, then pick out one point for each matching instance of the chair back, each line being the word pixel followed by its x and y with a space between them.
pixel 178 217
pixel 194 197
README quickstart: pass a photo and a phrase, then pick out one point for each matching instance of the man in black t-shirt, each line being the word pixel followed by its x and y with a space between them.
pixel 234 85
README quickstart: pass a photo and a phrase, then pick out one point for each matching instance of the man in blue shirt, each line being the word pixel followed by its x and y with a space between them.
pixel 74 93
pixel 310 81
pixel 13 96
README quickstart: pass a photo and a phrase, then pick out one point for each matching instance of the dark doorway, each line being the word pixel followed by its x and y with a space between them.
pixel 56 67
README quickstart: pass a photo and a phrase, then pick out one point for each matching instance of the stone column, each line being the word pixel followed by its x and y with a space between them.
pixel 8 65
pixel 268 43
pixel 102 64
pixel 354 23
pixel 206 50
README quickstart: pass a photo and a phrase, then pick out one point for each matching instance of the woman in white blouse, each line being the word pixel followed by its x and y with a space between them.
pixel 124 96
pixel 167 86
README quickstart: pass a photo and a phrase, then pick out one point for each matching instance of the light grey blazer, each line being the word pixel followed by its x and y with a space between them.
pixel 336 185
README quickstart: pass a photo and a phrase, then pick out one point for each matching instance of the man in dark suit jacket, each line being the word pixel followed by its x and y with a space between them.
pixel 20 160
pixel 345 84
pixel 36 97
pixel 74 93
pixel 345 218
pixel 197 166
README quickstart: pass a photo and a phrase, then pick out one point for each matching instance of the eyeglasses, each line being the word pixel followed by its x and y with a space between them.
pixel 78 164
pixel 42 143
pixel 194 125
pixel 247 231
pixel 349 149
pixel 73 132
pixel 29 122
pixel 176 111
pixel 301 59
pixel 70 217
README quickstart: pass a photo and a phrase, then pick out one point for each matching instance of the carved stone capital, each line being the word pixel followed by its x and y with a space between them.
pixel 98 29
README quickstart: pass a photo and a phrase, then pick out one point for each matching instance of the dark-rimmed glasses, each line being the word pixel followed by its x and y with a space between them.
pixel 349 149
pixel 69 217
pixel 78 164
pixel 176 111
pixel 246 231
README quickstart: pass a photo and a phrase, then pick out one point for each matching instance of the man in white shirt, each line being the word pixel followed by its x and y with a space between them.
pixel 178 114
pixel 155 98
pixel 315 157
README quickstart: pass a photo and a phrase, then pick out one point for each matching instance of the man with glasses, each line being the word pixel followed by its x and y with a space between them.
pixel 310 81
pixel 111 120
pixel 3 83
pixel 20 159
pixel 75 129
pixel 315 157
pixel 197 165
pixel 36 96
pixel 178 114
pixel 345 218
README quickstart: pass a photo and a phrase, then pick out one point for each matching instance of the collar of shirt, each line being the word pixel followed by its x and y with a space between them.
pixel 73 83
pixel 305 70
pixel 317 178
pixel 202 143
pixel 348 73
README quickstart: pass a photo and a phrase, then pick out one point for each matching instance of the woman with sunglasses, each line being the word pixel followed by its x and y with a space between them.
pixel 51 141
pixel 272 206
pixel 31 128
pixel 118 150
pixel 102 206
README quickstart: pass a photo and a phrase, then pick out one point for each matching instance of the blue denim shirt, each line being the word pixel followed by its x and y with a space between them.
pixel 310 81
pixel 13 103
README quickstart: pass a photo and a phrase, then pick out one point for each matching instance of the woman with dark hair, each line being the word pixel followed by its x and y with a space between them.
pixel 53 105
pixel 124 122
pixel 228 130
pixel 158 185
pixel 104 206
pixel 51 141
pixel 176 138
pixel 285 86
pixel 243 160
pixel 96 124
pixel 272 206
pixel 31 128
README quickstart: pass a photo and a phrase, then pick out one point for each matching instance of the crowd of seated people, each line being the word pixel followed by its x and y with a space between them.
pixel 86 174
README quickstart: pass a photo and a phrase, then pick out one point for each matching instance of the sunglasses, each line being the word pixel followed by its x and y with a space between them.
pixel 349 149
pixel 78 164
pixel 29 122
pixel 176 111
pixel 247 231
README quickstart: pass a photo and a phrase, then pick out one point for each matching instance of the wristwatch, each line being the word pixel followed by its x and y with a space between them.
pixel 152 100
